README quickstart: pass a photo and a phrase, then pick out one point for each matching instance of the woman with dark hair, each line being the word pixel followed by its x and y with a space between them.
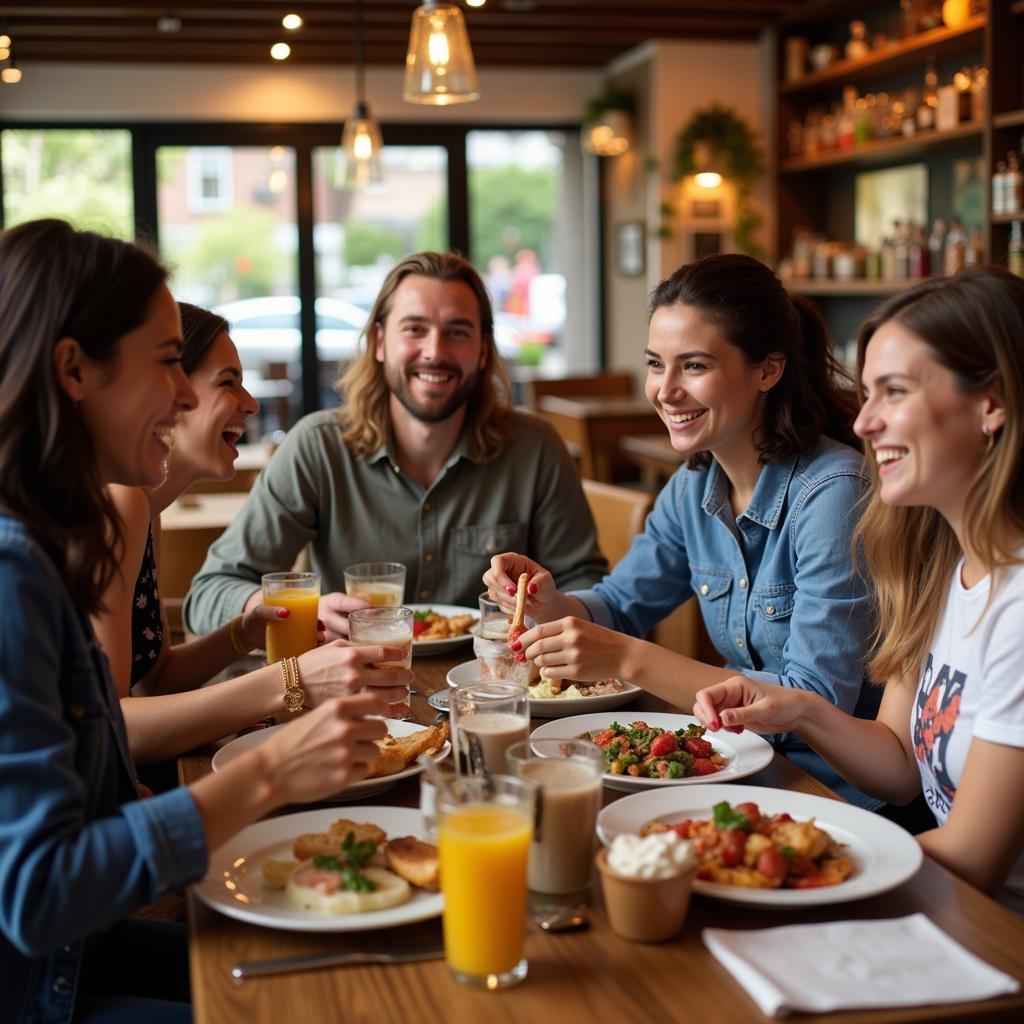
pixel 757 523
pixel 942 375
pixel 91 388
pixel 166 709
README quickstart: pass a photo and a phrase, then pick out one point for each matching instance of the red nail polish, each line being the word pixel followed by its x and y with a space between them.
pixel 516 645
pixel 531 588
pixel 511 591
pixel 282 613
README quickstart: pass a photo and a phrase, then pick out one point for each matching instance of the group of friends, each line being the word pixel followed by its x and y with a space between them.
pixel 856 552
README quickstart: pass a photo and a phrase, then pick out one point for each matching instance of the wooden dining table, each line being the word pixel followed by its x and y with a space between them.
pixel 593 425
pixel 654 455
pixel 575 977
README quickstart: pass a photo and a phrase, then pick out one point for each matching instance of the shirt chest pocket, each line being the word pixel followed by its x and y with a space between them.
pixel 773 609
pixel 473 547
pixel 712 588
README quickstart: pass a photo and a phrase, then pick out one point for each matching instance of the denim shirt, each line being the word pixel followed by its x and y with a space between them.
pixel 779 592
pixel 78 849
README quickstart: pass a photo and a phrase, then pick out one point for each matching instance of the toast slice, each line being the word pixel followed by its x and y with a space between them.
pixel 415 861
pixel 328 844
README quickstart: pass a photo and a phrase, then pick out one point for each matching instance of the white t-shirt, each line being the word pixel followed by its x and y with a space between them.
pixel 972 685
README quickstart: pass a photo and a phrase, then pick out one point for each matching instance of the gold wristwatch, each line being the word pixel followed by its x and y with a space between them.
pixel 294 696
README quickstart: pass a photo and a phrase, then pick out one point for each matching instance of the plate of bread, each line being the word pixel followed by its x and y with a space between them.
pixel 397 760
pixel 315 871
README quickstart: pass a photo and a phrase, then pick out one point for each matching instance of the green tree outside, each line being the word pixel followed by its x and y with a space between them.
pixel 365 243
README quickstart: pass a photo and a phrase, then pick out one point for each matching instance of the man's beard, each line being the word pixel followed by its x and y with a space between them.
pixel 429 412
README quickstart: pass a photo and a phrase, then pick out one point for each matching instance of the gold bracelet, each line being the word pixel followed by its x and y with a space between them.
pixel 235 634
pixel 294 697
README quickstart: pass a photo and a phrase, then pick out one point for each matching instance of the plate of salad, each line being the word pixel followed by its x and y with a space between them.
pixel 648 750
pixel 440 628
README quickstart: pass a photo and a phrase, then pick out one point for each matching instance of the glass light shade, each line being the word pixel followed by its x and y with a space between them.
pixel 11 74
pixel 439 66
pixel 609 135
pixel 708 179
pixel 361 146
pixel 709 166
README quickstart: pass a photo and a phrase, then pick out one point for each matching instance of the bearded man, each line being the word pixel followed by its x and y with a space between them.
pixel 425 462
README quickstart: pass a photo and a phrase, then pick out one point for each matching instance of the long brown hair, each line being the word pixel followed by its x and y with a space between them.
pixel 973 324
pixel 199 329
pixel 745 299
pixel 56 282
pixel 365 393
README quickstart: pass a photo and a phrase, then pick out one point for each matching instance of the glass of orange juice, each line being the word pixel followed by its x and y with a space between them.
pixel 390 626
pixel 299 592
pixel 381 584
pixel 484 826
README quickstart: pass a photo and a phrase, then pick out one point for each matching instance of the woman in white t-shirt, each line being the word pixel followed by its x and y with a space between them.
pixel 942 376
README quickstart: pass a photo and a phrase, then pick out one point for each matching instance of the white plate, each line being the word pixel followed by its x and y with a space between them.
pixel 448 643
pixel 358 790
pixel 234 886
pixel 554 707
pixel 885 855
pixel 747 752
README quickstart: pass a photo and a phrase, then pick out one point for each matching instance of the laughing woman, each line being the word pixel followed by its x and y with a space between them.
pixel 165 709
pixel 757 524
pixel 942 371
pixel 90 385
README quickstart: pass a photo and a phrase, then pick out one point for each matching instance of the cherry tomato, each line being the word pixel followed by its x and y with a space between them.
pixel 731 847
pixel 682 828
pixel 704 766
pixel 602 739
pixel 753 813
pixel 418 627
pixel 664 744
pixel 772 864
pixel 800 865
pixel 698 747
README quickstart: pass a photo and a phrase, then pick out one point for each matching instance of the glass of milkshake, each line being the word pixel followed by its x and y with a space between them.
pixel 487 717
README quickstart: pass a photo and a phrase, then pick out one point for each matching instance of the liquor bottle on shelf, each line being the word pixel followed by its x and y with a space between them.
pixel 929 100
pixel 857 47
pixel 901 251
pixel 1013 188
pixel 936 242
pixel 974 251
pixel 954 251
pixel 1015 252
pixel 999 188
pixel 917 254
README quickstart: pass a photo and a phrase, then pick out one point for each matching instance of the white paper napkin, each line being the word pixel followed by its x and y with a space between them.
pixel 906 961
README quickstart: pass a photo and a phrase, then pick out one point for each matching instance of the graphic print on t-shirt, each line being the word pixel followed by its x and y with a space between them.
pixel 938 705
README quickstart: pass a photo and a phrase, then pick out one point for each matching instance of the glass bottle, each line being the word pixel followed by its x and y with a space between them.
pixel 1013 187
pixel 999 188
pixel 929 100
pixel 901 251
pixel 954 251
pixel 936 241
pixel 974 252
pixel 1015 252
pixel 857 47
pixel 917 255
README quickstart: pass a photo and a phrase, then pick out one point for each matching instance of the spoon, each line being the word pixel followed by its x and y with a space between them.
pixel 554 917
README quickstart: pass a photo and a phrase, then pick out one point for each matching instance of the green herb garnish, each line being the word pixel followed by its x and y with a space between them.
pixel 352 879
pixel 727 818
pixel 357 854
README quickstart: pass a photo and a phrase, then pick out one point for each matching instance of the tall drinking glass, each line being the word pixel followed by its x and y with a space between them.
pixel 483 836
pixel 381 584
pixel 390 626
pixel 299 592
pixel 487 718
pixel 568 775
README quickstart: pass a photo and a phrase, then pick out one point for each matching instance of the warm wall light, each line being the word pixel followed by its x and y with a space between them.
pixel 609 134
pixel 10 74
pixel 709 170
pixel 475 3
pixel 361 140
pixel 439 67
pixel 280 51
pixel 292 22
pixel 5 41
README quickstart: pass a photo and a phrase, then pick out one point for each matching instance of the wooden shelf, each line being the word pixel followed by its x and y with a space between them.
pixel 1017 7
pixel 1006 218
pixel 1009 119
pixel 843 289
pixel 883 150
pixel 899 56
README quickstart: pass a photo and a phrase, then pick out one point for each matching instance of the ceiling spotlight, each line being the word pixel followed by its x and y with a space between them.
pixel 280 51
pixel 10 73
pixel 292 22
pixel 169 23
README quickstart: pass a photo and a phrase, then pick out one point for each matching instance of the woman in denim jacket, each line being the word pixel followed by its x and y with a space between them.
pixel 90 342
pixel 757 524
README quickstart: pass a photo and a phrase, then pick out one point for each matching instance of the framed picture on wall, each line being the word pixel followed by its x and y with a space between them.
pixel 629 248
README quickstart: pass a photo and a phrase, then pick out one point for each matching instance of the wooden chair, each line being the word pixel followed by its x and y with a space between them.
pixel 619 383
pixel 619 514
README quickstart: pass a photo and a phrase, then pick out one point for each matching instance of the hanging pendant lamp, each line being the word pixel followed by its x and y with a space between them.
pixel 361 140
pixel 439 66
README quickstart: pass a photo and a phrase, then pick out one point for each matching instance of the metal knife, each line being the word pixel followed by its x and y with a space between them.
pixel 313 961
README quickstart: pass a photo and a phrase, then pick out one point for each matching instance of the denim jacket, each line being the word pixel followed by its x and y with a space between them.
pixel 78 849
pixel 778 590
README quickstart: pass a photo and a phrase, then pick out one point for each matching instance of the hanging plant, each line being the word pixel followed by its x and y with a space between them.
pixel 613 99
pixel 724 135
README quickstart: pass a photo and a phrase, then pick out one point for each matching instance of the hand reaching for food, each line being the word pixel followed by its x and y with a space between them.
pixel 740 702
pixel 574 648
pixel 542 597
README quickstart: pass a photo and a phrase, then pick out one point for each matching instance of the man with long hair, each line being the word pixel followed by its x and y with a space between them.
pixel 425 463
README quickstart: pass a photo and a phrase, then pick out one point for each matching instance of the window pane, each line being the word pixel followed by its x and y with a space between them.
pixel 523 225
pixel 359 236
pixel 227 229
pixel 83 175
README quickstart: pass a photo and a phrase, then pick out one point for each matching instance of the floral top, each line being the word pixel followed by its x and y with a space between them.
pixel 147 628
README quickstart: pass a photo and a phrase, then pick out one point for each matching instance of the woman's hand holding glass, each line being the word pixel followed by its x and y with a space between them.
pixel 739 703
pixel 337 669
pixel 574 648
pixel 323 752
